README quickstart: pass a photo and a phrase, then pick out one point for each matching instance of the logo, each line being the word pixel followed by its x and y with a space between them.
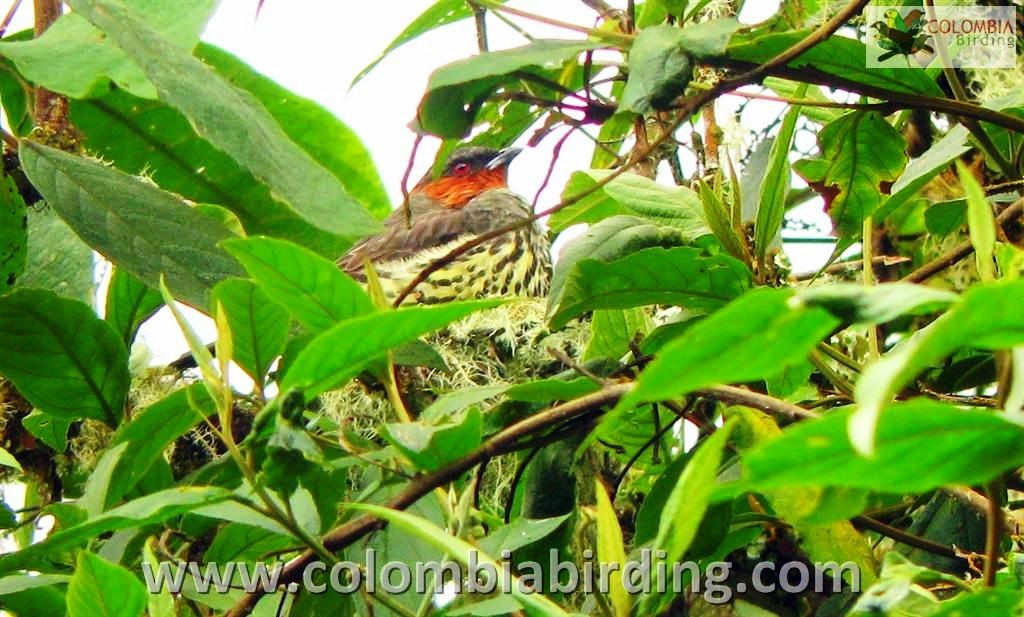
pixel 953 36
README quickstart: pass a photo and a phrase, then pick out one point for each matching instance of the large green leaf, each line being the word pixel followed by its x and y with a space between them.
pixel 148 137
pixel 314 290
pixel 753 337
pixel 232 120
pixel 674 206
pixel 99 588
pixel 455 91
pixel 74 58
pixel 341 352
pixel 986 317
pixel 838 56
pixel 13 234
pixel 861 156
pixel 608 240
pixel 58 260
pixel 147 510
pixel 62 357
pixel 129 303
pixel 310 125
pixel 659 70
pixel 920 445
pixel 683 276
pixel 258 326
pixel 134 224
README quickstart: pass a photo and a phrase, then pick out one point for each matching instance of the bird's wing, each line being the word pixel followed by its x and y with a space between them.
pixel 433 226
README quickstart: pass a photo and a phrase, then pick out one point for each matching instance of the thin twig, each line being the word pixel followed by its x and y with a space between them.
pixel 9 16
pixel 480 16
pixel 993 532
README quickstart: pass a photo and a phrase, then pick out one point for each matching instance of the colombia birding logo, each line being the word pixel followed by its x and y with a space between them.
pixel 954 36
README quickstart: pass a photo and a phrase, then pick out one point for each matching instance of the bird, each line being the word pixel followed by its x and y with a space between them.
pixel 468 198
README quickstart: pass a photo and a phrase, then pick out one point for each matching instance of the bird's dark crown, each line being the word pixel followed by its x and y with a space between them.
pixel 477 157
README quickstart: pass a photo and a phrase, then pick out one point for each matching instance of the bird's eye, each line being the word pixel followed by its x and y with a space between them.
pixel 460 169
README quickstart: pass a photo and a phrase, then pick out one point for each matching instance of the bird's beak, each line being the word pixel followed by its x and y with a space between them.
pixel 504 157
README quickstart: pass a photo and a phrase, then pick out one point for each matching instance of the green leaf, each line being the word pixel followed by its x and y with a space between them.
pixel 13 234
pixel 981 223
pixel 991 602
pixel 341 352
pixel 612 331
pixel 460 550
pixel 774 187
pixel 440 13
pixel 861 156
pixel 986 317
pixel 147 510
pixel 232 120
pixel 856 304
pixel 51 430
pixel 687 503
pixel 920 445
pixel 682 276
pixel 673 206
pixel 921 170
pixel 258 326
pixel 720 221
pixel 37 595
pixel 99 588
pixel 611 549
pixel 455 91
pixel 7 460
pixel 149 138
pixel 838 57
pixel 605 241
pixel 129 303
pixel 945 217
pixel 314 290
pixel 659 70
pixel 788 89
pixel 312 126
pixel 648 517
pixel 134 224
pixel 150 432
pixel 432 446
pixel 61 357
pixel 75 59
pixel 520 532
pixel 763 327
pixel 57 259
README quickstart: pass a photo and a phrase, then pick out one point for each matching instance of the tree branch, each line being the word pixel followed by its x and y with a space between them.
pixel 501 443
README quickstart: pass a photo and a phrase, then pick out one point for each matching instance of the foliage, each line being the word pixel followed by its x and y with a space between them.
pixel 682 395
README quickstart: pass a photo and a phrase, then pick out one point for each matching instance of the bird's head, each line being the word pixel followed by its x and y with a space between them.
pixel 470 170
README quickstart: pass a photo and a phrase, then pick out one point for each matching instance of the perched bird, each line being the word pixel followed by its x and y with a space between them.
pixel 470 197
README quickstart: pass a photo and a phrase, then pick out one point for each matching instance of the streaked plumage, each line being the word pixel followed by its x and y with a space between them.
pixel 469 198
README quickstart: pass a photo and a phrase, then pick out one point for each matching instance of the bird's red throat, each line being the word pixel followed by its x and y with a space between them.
pixel 457 191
